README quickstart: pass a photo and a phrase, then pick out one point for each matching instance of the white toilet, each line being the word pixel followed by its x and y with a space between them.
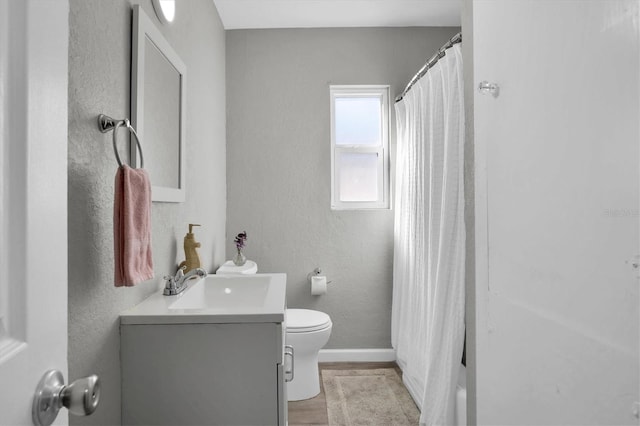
pixel 307 332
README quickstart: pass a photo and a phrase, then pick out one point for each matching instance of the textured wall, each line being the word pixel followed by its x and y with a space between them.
pixel 99 82
pixel 278 165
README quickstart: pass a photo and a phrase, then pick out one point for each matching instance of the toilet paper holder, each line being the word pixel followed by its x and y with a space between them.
pixel 314 273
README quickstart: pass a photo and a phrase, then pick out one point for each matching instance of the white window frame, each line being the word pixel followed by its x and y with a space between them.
pixel 351 91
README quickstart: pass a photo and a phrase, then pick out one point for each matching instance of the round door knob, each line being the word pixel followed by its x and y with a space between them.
pixel 80 397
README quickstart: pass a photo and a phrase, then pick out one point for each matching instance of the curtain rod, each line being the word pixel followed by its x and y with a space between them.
pixel 430 63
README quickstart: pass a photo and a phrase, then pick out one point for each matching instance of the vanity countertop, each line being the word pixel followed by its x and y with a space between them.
pixel 216 299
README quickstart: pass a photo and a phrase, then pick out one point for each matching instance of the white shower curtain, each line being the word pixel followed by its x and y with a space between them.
pixel 429 240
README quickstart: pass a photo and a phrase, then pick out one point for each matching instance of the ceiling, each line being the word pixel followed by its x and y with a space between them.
pixel 243 14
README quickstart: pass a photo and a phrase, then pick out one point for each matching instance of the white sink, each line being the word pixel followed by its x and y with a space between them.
pixel 225 292
pixel 216 299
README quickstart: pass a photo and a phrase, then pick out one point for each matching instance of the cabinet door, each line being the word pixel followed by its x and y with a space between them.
pixel 196 374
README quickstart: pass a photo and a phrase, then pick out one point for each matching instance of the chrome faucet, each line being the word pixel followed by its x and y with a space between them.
pixel 176 285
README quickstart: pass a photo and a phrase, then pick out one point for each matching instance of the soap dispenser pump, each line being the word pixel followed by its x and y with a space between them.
pixel 190 245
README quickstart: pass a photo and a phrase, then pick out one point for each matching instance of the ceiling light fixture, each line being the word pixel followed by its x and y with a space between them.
pixel 165 10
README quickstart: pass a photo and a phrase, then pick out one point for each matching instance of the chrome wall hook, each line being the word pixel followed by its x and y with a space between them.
pixel 489 88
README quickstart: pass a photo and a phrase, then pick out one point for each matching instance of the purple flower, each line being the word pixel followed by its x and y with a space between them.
pixel 240 239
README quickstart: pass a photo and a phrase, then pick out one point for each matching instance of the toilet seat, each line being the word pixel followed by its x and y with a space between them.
pixel 306 320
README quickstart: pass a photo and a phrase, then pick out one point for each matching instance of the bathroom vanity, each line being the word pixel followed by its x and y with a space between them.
pixel 212 355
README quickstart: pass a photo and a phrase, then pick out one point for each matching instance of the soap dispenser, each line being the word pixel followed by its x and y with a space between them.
pixel 190 245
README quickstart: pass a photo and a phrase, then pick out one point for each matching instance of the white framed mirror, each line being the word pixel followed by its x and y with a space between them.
pixel 158 88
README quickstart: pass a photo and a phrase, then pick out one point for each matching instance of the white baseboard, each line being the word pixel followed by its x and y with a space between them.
pixel 356 355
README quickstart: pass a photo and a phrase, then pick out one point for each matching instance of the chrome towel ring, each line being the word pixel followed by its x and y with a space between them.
pixel 107 124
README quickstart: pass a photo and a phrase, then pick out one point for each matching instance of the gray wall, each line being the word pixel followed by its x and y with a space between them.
pixel 99 74
pixel 278 165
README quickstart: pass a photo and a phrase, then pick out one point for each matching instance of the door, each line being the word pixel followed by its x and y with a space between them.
pixel 33 192
pixel 557 202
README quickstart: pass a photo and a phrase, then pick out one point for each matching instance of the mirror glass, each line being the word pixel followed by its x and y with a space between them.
pixel 161 116
pixel 157 105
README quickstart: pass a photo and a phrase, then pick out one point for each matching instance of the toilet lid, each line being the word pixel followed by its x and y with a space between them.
pixel 304 320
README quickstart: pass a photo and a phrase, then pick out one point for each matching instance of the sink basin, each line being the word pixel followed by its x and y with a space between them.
pixel 228 292
pixel 216 299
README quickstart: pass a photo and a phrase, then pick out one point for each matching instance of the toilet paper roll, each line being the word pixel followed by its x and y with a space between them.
pixel 318 285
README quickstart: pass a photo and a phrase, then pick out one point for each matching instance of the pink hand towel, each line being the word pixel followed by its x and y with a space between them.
pixel 132 227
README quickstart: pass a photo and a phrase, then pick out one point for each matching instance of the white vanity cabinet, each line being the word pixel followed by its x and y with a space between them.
pixel 211 355
pixel 203 374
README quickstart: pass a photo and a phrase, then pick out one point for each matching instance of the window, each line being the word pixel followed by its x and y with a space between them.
pixel 359 147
